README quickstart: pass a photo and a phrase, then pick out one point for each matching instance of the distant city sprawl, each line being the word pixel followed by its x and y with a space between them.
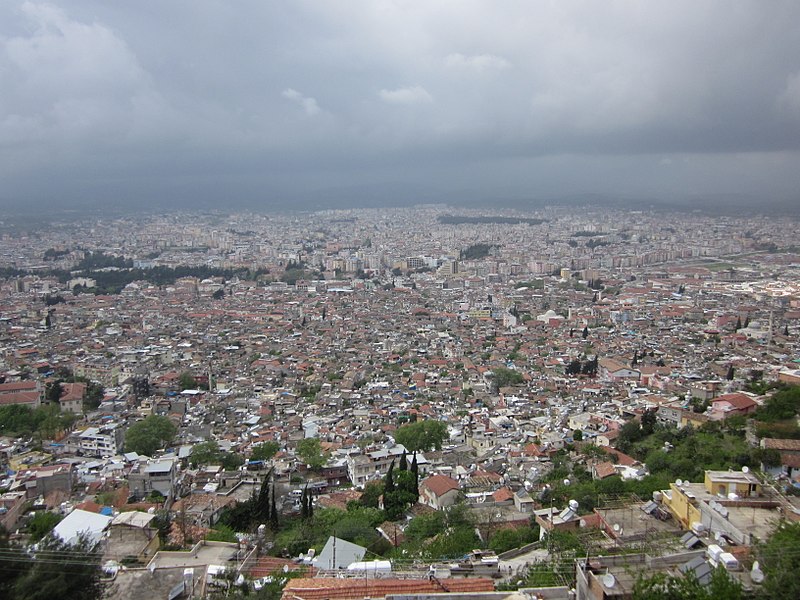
pixel 371 402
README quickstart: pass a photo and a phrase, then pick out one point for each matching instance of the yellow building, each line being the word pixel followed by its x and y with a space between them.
pixel 28 460
pixel 722 483
pixel 682 503
pixel 685 500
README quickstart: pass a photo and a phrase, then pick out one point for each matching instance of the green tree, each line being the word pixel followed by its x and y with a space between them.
pixel 455 542
pixel 629 433
pixel 53 392
pixel 388 481
pixel 163 524
pixel 94 395
pixel 14 562
pixel 150 434
pixel 310 452
pixel 401 496
pixel 503 377
pixel 778 560
pixel 42 523
pixel 414 468
pixel 273 512
pixel 16 419
pixel 782 405
pixel 265 450
pixel 769 457
pixel 373 490
pixel 663 586
pixel 231 461
pixel 205 453
pixel 61 571
pixel 425 526
pixel 648 421
pixel 221 533
pixel 187 381
pixel 510 538
pixel 422 435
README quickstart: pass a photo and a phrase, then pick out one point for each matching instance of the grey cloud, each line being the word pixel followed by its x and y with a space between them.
pixel 406 95
pixel 97 96
pixel 478 62
pixel 308 104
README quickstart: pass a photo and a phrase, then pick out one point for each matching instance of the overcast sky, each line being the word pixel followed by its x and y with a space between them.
pixel 174 102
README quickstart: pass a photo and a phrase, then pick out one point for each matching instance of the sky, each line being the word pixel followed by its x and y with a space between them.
pixel 304 103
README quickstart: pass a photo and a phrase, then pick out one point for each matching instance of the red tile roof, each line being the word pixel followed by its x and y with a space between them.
pixel 779 444
pixel 604 469
pixel 622 458
pixel 331 588
pixel 502 495
pixel 17 386
pixel 440 484
pixel 736 400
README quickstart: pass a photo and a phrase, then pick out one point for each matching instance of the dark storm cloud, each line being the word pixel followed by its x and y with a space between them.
pixel 175 100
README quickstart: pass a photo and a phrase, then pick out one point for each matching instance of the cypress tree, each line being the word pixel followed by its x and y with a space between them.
pixel 415 471
pixel 389 484
pixel 261 509
pixel 403 462
pixel 303 505
pixel 273 513
pixel 268 505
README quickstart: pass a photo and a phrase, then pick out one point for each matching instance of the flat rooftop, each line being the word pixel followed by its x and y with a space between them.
pixel 206 554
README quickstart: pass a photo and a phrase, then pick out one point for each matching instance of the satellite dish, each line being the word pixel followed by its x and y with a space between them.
pixel 745 469
pixel 566 482
pixel 756 574
pixel 679 482
pixel 608 580
pixel 616 527
pixel 573 504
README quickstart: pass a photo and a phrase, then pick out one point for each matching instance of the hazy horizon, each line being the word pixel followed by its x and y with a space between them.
pixel 320 105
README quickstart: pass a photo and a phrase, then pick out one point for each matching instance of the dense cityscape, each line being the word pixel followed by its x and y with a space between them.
pixel 568 402
pixel 399 300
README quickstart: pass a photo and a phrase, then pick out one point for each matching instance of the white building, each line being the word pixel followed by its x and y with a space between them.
pixel 101 442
